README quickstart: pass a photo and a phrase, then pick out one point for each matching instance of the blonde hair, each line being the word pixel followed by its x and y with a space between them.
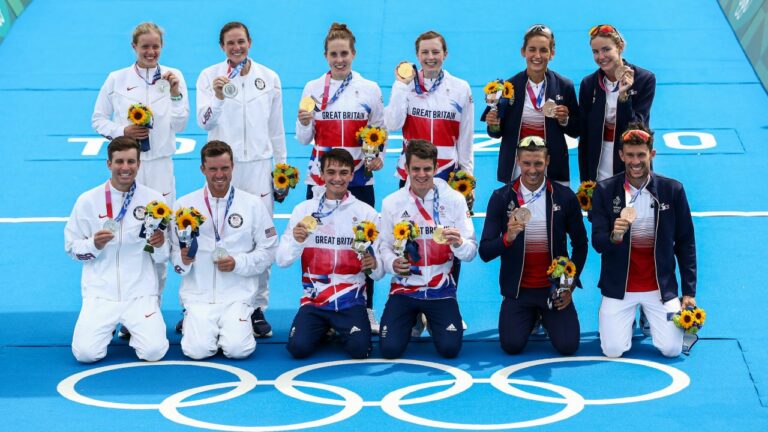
pixel 340 31
pixel 144 28
pixel 431 34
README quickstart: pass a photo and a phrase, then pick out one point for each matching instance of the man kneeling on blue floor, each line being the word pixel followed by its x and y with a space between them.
pixel 527 224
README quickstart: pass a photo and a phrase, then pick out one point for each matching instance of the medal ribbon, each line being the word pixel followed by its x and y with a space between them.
pixel 319 215
pixel 522 203
pixel 226 211
pixel 536 100
pixel 157 76
pixel 126 202
pixel 338 92
pixel 628 196
pixel 435 218
pixel 231 73
pixel 420 87
pixel 601 75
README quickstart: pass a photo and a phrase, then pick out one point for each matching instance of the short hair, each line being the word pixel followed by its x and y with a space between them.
pixel 144 28
pixel 338 155
pixel 230 26
pixel 340 31
pixel 215 148
pixel 431 34
pixel 539 30
pixel 422 149
pixel 637 133
pixel 123 143
pixel 533 143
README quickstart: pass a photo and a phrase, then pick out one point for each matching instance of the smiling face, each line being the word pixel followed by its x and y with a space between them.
pixel 606 54
pixel 235 45
pixel 637 162
pixel 431 56
pixel 537 53
pixel 533 168
pixel 339 55
pixel 148 47
pixel 218 173
pixel 421 173
pixel 124 166
pixel 336 177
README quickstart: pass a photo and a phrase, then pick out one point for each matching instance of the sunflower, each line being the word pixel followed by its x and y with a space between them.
pixel 686 319
pixel 160 211
pixel 179 212
pixel 281 181
pixel 570 269
pixel 584 201
pixel 587 185
pixel 370 231
pixel 282 166
pixel 552 268
pixel 699 316
pixel 493 87
pixel 139 114
pixel 402 230
pixel 509 90
pixel 374 138
pixel 464 186
pixel 186 220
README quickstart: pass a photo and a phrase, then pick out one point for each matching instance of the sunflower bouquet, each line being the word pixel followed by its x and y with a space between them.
pixel 372 140
pixel 156 217
pixel 562 273
pixel 584 194
pixel 691 320
pixel 365 234
pixel 464 183
pixel 493 92
pixel 188 221
pixel 284 177
pixel 406 232
pixel 140 115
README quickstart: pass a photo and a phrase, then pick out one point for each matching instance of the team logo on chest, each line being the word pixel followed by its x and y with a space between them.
pixel 235 220
pixel 139 212
pixel 405 214
pixel 259 83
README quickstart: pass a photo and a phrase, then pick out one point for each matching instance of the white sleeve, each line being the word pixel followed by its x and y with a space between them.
pixel 468 248
pixel 290 249
pixel 180 108
pixel 386 241
pixel 376 118
pixel 305 134
pixel 464 148
pixel 208 105
pixel 78 238
pixel 378 272
pixel 276 127
pixel 395 112
pixel 103 111
pixel 265 244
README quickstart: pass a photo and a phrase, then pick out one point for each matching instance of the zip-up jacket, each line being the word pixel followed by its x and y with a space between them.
pixel 559 89
pixel 251 122
pixel 446 118
pixel 637 108
pixel 358 105
pixel 564 220
pixel 122 270
pixel 248 236
pixel 674 237
pixel 124 88
pixel 331 272
pixel 431 275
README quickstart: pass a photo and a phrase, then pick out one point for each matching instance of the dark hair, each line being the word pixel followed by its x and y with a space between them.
pixel 539 30
pixel 123 143
pixel 340 31
pixel 340 156
pixel 215 148
pixel 431 35
pixel 422 149
pixel 233 25
pixel 637 133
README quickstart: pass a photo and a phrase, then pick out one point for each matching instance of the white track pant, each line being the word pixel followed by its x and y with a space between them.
pixel 208 327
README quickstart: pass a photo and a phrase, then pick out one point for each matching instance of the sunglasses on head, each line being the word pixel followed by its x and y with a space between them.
pixel 539 28
pixel 532 141
pixel 602 29
pixel 635 133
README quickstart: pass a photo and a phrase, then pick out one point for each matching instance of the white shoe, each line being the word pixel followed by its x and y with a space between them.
pixel 374 323
pixel 421 324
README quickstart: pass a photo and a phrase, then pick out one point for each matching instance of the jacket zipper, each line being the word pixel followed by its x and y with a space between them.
pixel 117 258
pixel 602 132
pixel 655 236
pixel 522 266
pixel 245 126
pixel 215 265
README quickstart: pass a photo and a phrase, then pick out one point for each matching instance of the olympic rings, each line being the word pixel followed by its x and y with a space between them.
pixel 391 403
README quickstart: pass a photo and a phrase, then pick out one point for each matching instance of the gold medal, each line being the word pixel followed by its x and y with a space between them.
pixel 307 104
pixel 405 70
pixel 438 237
pixel 629 213
pixel 310 223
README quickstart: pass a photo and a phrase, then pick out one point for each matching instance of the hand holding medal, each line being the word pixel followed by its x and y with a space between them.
pixel 405 72
pixel 304 228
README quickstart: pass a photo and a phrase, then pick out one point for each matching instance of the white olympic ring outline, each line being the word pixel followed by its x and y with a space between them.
pixel 391 403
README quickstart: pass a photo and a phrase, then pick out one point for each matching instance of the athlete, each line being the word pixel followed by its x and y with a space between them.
pixel 526 114
pixel 331 272
pixel 527 248
pixel 345 103
pixel 642 228
pixel 237 242
pixel 119 283
pixel 240 102
pixel 422 282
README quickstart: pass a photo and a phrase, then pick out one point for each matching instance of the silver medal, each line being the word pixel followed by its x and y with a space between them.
pixel 112 225
pixel 549 108
pixel 229 90
pixel 629 213
pixel 162 85
pixel 219 253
